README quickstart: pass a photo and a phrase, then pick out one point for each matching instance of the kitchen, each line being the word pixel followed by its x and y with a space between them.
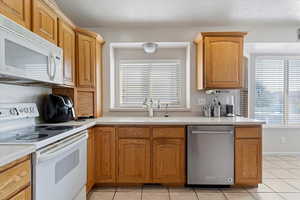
pixel 122 105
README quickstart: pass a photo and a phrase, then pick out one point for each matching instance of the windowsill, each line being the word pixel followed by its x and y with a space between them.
pixel 145 110
pixel 290 126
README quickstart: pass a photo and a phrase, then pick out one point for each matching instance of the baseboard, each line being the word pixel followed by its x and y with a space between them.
pixel 281 153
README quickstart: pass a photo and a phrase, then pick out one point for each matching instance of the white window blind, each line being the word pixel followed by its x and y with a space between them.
pixel 157 79
pixel 277 89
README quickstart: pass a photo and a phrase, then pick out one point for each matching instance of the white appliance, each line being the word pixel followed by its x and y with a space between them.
pixel 60 169
pixel 27 57
pixel 60 161
pixel 210 155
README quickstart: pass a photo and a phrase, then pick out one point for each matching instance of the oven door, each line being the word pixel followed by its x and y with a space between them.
pixel 60 169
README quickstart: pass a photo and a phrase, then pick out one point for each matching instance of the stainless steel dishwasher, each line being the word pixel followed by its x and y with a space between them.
pixel 210 155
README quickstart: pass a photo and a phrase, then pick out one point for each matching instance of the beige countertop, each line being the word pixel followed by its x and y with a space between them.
pixel 177 121
pixel 10 153
pixel 166 121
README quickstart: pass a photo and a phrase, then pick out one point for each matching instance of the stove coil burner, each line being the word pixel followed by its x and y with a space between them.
pixel 31 137
pixel 57 128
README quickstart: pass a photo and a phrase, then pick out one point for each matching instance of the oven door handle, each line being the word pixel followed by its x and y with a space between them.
pixel 44 156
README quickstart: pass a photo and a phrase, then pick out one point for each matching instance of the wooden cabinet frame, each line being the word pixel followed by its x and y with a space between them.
pixel 17 10
pixel 134 140
pixel 248 155
pixel 207 77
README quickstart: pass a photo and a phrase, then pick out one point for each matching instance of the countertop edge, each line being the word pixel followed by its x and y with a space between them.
pixel 17 154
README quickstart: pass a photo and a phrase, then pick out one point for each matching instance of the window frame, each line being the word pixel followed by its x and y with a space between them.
pixel 252 84
pixel 113 73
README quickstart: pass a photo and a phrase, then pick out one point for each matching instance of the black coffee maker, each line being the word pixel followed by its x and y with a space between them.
pixel 58 108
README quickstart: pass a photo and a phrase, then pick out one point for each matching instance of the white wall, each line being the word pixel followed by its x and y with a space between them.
pixel 272 137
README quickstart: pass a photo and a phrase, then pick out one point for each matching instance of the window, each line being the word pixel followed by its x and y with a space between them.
pixel 277 89
pixel 136 76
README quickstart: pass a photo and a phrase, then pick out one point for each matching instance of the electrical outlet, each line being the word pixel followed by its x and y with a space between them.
pixel 283 140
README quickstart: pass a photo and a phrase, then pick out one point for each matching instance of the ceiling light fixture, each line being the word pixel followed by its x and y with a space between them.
pixel 150 47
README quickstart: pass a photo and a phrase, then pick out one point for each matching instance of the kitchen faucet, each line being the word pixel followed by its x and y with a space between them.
pixel 149 103
pixel 149 106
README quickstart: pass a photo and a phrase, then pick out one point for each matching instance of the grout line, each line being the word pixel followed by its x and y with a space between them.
pixel 169 193
pixel 142 190
pixel 196 193
pixel 114 195
pixel 222 191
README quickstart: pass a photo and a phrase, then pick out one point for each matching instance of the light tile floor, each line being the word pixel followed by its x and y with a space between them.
pixel 281 181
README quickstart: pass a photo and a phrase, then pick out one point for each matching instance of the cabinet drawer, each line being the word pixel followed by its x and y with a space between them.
pixel 23 195
pixel 248 132
pixel 15 179
pixel 134 132
pixel 169 132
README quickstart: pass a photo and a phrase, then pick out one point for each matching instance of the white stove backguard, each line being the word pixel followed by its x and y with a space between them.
pixel 18 111
pixel 19 115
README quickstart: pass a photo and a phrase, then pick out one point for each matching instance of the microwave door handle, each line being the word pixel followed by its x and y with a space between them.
pixel 44 157
pixel 49 67
pixel 54 67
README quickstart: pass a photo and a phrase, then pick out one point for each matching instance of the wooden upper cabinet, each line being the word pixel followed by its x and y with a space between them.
pixel 17 10
pixel 90 160
pixel 66 40
pixel 44 21
pixel 248 156
pixel 168 161
pixel 105 154
pixel 86 62
pixel 134 161
pixel 220 60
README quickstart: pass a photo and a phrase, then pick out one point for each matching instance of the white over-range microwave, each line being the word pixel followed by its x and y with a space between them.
pixel 26 57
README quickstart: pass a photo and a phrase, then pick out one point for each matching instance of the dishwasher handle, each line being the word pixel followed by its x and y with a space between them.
pixel 229 132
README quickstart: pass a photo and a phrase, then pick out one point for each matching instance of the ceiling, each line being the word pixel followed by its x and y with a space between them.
pixel 147 13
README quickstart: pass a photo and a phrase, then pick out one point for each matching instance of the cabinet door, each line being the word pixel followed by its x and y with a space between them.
pixel 67 43
pixel 168 161
pixel 86 69
pixel 17 10
pixel 23 195
pixel 105 154
pixel 85 103
pixel 44 21
pixel 248 161
pixel 90 160
pixel 223 62
pixel 134 161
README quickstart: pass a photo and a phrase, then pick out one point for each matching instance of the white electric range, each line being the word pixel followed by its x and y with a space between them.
pixel 60 161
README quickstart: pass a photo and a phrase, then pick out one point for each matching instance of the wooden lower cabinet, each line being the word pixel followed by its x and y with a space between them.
pixel 90 160
pixel 168 161
pixel 248 156
pixel 15 180
pixel 134 160
pixel 23 195
pixel 105 155
pixel 140 154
